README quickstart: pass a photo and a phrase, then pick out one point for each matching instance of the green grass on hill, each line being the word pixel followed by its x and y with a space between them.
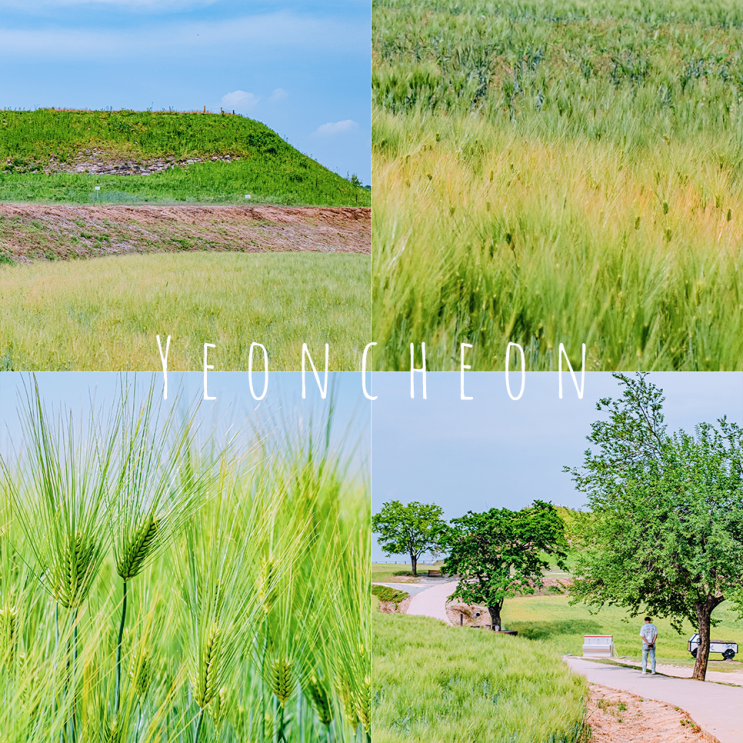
pixel 558 171
pixel 269 169
pixel 551 620
pixel 104 314
pixel 448 685
pixel 385 593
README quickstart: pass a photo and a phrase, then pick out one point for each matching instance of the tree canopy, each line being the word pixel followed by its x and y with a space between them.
pixel 665 530
pixel 500 553
pixel 413 529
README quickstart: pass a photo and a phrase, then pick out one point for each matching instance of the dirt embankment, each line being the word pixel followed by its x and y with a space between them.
pixel 51 232
pixel 390 607
pixel 620 717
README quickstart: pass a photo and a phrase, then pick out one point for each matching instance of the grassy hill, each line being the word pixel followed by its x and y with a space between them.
pixel 61 156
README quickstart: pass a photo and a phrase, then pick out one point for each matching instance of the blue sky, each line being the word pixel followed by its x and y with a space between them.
pixel 302 68
pixel 496 452
pixel 282 410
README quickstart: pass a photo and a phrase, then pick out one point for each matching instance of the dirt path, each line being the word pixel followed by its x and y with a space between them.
pixel 432 601
pixel 618 717
pixel 51 232
pixel 715 707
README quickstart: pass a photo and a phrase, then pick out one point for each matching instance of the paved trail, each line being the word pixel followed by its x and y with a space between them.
pixel 717 708
pixel 432 601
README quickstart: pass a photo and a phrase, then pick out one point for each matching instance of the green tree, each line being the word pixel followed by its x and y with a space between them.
pixel 501 553
pixel 413 529
pixel 665 532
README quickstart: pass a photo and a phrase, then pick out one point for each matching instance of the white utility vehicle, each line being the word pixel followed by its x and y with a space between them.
pixel 728 649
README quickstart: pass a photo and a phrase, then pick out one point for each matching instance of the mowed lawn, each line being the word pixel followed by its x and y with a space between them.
pixel 105 313
pixel 552 620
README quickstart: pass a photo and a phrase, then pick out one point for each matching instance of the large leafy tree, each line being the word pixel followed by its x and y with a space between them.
pixel 502 553
pixel 413 529
pixel 665 531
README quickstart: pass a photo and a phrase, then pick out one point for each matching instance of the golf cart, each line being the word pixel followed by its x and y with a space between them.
pixel 728 649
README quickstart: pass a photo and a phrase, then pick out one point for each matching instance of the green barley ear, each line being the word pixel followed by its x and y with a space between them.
pixel 73 569
pixel 113 731
pixel 137 548
pixel 281 680
pixel 218 709
pixel 349 703
pixel 8 633
pixel 266 581
pixel 363 704
pixel 320 698
pixel 141 673
pixel 207 683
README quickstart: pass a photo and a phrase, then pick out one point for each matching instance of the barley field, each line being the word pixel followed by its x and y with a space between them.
pixel 159 582
pixel 559 171
pixel 105 313
pixel 442 684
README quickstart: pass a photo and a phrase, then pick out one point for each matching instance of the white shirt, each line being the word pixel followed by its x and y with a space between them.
pixel 648 631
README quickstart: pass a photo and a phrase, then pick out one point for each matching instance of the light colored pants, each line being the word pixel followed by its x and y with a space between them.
pixel 648 649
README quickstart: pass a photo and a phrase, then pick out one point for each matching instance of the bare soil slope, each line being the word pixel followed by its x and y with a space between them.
pixel 51 232
pixel 620 717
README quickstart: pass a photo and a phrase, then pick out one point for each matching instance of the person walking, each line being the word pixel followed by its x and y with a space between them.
pixel 649 634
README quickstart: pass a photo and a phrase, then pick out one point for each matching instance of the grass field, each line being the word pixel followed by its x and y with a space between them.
pixel 252 160
pixel 235 589
pixel 383 572
pixel 105 313
pixel 446 685
pixel 553 621
pixel 555 172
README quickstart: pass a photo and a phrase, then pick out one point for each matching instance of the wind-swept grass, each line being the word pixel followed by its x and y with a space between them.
pixel 256 553
pixel 449 685
pixel 558 172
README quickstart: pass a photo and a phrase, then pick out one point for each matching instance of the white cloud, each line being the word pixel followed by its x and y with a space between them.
pixel 240 101
pixel 278 95
pixel 333 129
pixel 270 31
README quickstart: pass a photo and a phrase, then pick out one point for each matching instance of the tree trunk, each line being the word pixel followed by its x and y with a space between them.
pixel 414 563
pixel 494 612
pixel 704 617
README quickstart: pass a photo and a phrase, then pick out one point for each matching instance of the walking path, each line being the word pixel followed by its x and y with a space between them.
pixel 685 672
pixel 432 601
pixel 717 708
